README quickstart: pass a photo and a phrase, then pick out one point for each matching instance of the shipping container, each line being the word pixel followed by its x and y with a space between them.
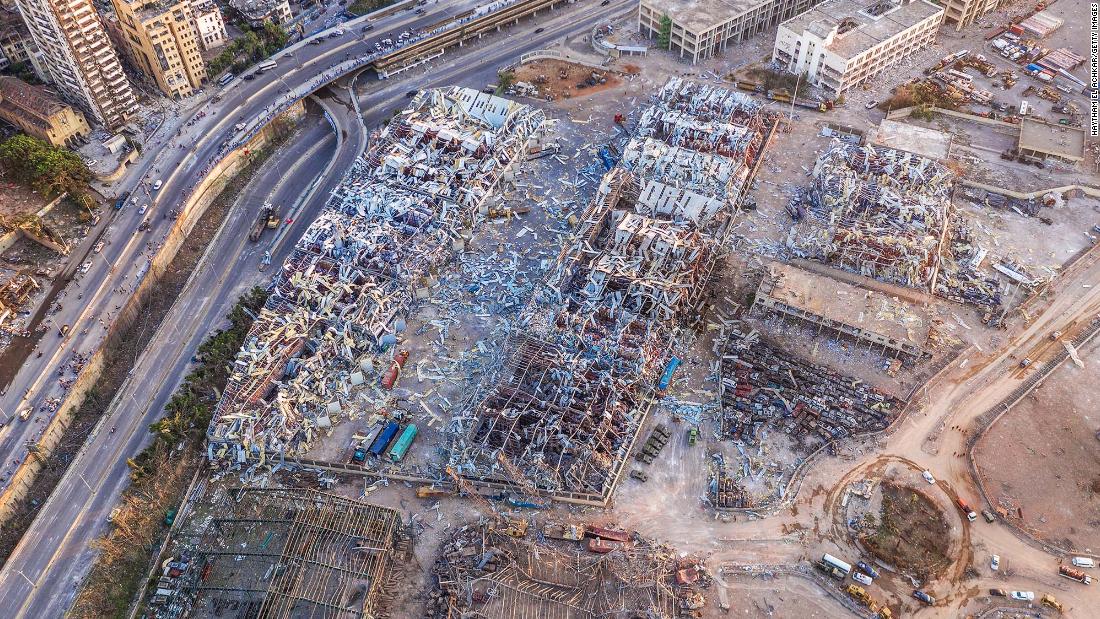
pixel 611 534
pixel 378 447
pixel 401 445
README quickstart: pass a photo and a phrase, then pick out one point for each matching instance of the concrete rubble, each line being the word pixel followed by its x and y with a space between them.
pixel 324 345
pixel 562 411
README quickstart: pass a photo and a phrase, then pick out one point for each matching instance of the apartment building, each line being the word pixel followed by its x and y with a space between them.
pixel 702 28
pixel 38 113
pixel 209 22
pixel 843 43
pixel 962 13
pixel 79 58
pixel 17 46
pixel 164 43
pixel 256 12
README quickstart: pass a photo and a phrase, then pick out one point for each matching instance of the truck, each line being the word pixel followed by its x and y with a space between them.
pixel 1048 600
pixel 833 562
pixel 378 447
pixel 1073 573
pixel 267 218
pixel 403 442
pixel 969 513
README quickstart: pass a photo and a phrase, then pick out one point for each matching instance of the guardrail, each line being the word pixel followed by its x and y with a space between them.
pixel 421 51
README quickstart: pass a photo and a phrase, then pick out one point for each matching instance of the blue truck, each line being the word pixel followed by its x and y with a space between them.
pixel 378 447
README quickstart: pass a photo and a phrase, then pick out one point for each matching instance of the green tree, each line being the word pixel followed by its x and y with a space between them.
pixel 47 169
pixel 664 35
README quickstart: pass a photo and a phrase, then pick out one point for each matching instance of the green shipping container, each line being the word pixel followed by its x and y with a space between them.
pixel 403 442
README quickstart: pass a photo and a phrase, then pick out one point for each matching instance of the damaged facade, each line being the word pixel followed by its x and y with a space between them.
pixel 326 337
pixel 568 402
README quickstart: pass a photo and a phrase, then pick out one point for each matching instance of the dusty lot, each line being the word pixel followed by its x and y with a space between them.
pixel 910 532
pixel 557 79
pixel 1041 461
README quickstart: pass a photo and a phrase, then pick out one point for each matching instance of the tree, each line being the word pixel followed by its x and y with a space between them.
pixel 664 35
pixel 47 169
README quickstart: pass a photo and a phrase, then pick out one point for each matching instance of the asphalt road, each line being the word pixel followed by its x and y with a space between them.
pixel 40 578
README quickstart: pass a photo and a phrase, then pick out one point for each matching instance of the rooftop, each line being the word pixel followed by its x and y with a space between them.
pixel 702 15
pixel 1057 140
pixel 847 304
pixel 858 25
pixel 27 100
pixel 913 138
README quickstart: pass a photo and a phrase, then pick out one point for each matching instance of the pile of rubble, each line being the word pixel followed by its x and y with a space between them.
pixel 324 347
pixel 564 407
pixel 885 212
pixel 763 388
pixel 499 571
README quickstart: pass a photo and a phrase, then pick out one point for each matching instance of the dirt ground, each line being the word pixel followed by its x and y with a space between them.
pixel 546 76
pixel 759 597
pixel 910 532
pixel 1042 459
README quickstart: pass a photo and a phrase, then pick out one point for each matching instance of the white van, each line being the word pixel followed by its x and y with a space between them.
pixel 1083 562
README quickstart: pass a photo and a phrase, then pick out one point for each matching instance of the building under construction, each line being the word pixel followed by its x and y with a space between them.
pixel 284 553
pixel 327 335
pixel 562 412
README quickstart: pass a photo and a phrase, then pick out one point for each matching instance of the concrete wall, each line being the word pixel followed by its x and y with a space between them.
pixel 190 213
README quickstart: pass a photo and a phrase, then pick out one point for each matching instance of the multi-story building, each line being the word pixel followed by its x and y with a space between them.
pixel 16 44
pixel 40 114
pixel 78 56
pixel 256 12
pixel 208 21
pixel 962 13
pixel 700 29
pixel 164 43
pixel 843 43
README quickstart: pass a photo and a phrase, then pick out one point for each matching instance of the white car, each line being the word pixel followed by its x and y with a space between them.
pixel 144 207
pixel 995 563
pixel 1023 596
pixel 862 578
pixel 98 247
pixel 871 105
pixel 157 184
pixel 927 475
pixel 87 266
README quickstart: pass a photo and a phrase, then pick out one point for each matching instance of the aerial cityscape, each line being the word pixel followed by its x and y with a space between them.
pixel 562 309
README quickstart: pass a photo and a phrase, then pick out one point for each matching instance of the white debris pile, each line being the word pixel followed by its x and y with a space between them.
pixel 323 348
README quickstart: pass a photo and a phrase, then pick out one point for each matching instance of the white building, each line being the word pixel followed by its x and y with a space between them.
pixel 843 43
pixel 81 62
pixel 209 23
pixel 699 29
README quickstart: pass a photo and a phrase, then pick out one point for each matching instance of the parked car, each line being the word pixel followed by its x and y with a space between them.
pixel 924 597
pixel 995 563
pixel 867 569
pixel 871 105
pixel 98 247
pixel 988 515
pixel 1023 596
pixel 862 578
pixel 411 94
pixel 144 207
pixel 641 476
pixel 156 185
pixel 927 475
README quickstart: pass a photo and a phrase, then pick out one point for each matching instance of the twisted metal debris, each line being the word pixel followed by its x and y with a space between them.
pixel 315 354
pixel 564 408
